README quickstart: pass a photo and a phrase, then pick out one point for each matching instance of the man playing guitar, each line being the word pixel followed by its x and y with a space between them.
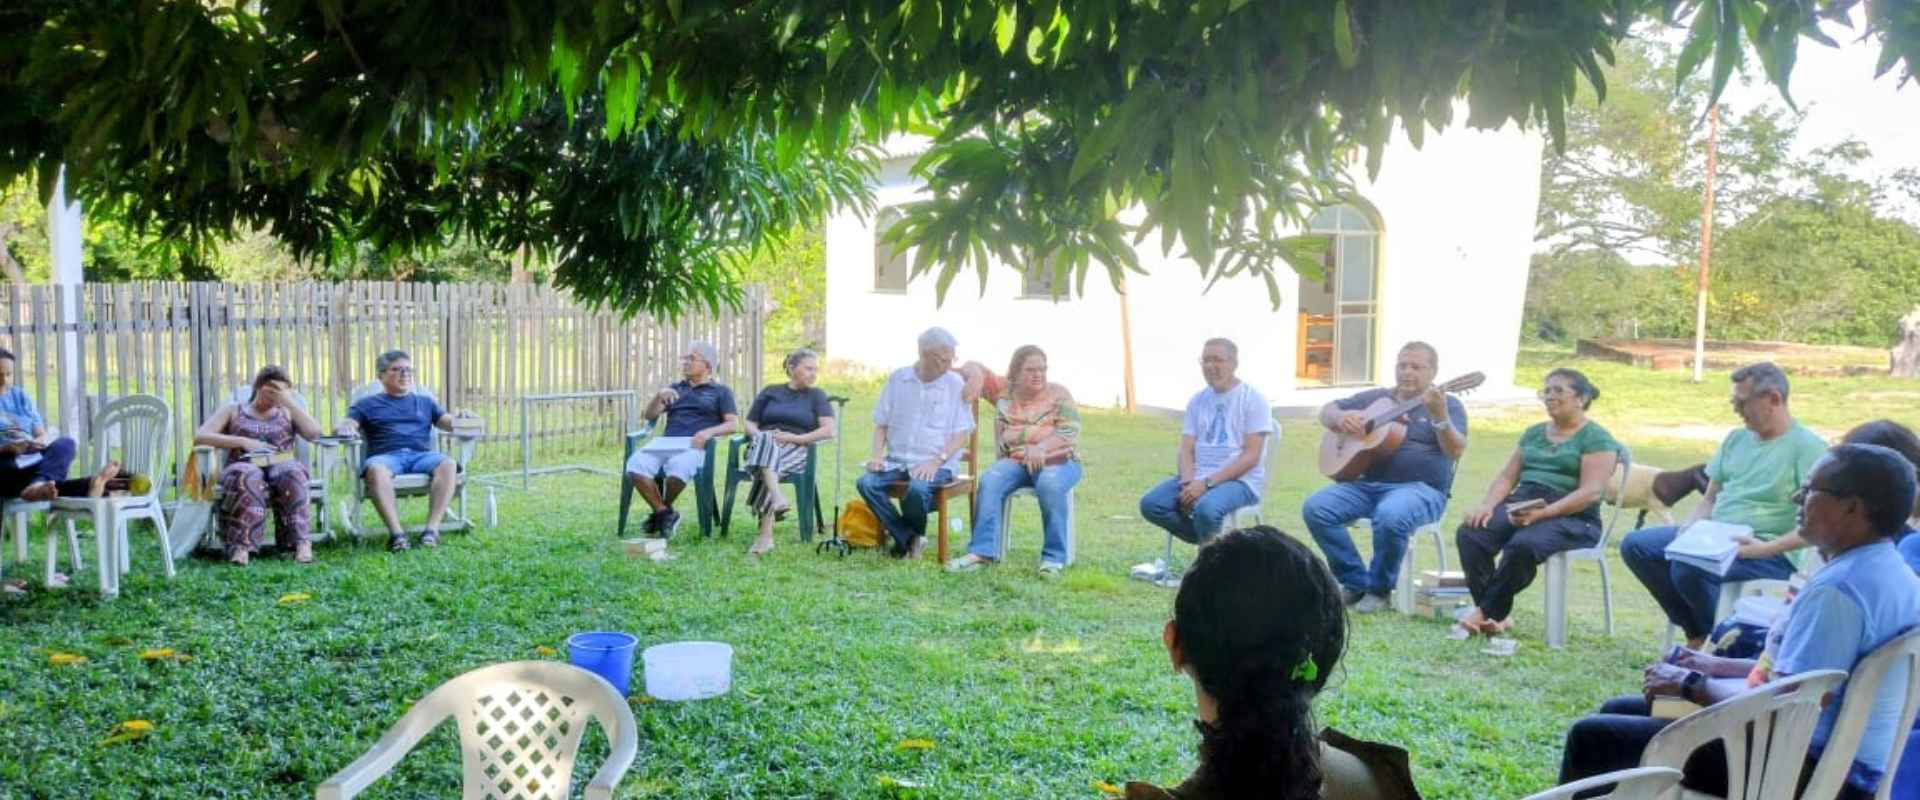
pixel 1399 491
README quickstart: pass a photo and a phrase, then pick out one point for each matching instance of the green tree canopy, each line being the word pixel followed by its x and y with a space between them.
pixel 648 146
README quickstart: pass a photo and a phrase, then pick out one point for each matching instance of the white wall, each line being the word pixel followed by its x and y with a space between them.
pixel 1458 235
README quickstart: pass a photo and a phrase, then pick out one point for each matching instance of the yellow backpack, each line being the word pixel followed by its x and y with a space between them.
pixel 858 526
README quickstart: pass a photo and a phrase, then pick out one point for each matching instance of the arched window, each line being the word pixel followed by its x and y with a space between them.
pixel 1339 315
pixel 890 269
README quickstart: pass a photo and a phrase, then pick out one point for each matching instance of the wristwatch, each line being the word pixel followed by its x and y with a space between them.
pixel 1443 424
pixel 1209 484
pixel 1690 685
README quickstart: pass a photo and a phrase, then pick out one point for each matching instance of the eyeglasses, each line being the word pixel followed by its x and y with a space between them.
pixel 1554 391
pixel 1805 492
pixel 1741 403
pixel 691 357
pixel 400 370
pixel 1205 362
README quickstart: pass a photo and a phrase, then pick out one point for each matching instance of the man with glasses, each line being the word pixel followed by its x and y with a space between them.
pixel 398 424
pixel 698 408
pixel 1851 506
pixel 920 427
pixel 1223 440
pixel 1751 480
pixel 1398 493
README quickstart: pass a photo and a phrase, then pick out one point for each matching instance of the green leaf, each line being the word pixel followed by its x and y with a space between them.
pixel 1005 25
pixel 1343 34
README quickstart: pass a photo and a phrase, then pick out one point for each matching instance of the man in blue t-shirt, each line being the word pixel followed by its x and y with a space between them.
pixel 397 424
pixel 698 408
pixel 1400 492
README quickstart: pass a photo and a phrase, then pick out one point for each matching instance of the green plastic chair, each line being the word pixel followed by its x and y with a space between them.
pixel 806 487
pixel 703 496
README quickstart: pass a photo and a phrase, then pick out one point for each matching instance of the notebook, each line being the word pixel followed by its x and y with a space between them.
pixel 1708 545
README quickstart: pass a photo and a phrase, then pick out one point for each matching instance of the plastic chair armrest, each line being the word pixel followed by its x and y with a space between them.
pixel 621 751
pixel 354 778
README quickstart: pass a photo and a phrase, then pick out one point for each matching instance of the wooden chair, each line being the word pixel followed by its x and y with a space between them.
pixel 519 726
pixel 1559 567
pixel 707 508
pixel 962 484
pixel 805 483
pixel 1765 732
pixel 1639 783
pixel 1899 655
pixel 405 486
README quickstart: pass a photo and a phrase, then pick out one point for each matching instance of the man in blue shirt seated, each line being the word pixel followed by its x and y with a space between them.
pixel 698 408
pixel 398 424
pixel 1853 503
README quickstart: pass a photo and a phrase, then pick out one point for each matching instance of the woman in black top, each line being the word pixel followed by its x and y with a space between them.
pixel 785 419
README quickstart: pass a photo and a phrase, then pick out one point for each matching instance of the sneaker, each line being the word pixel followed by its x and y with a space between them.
pixel 669 523
pixel 399 543
pixel 967 563
pixel 1370 603
pixel 651 528
pixel 918 548
pixel 303 553
pixel 1049 569
pixel 430 539
pixel 1149 571
pixel 1170 581
pixel 1351 597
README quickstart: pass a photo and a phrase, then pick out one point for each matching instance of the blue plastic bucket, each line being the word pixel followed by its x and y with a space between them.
pixel 608 654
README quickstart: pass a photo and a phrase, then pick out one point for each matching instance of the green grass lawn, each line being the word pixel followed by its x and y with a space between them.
pixel 1025 687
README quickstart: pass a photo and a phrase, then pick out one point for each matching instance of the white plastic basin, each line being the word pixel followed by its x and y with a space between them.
pixel 688 670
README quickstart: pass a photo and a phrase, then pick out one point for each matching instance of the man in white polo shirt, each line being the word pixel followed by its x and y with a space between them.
pixel 920 426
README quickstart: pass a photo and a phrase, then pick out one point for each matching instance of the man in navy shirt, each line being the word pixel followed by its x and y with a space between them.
pixel 398 424
pixel 698 408
pixel 1398 493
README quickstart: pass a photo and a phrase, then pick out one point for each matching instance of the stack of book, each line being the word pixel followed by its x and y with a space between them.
pixel 1439 594
pixel 651 549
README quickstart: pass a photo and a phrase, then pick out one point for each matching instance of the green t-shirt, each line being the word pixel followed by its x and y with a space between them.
pixel 1557 466
pixel 1758 479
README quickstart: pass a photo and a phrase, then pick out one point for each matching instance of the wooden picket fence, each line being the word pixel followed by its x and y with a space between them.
pixel 476 346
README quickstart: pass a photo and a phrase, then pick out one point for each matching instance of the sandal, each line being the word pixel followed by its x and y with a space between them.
pixel 303 553
pixel 758 549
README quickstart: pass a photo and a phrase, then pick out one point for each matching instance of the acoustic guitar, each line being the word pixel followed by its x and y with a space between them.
pixel 1344 456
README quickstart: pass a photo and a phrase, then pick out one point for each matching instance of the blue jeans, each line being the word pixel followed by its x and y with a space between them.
pixel 1051 485
pixel 910 519
pixel 1690 595
pixel 1395 511
pixel 1161 506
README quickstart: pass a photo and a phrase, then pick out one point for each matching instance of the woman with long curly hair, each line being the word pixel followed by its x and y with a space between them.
pixel 1258 627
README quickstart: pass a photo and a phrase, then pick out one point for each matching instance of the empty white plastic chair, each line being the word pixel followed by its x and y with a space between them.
pixel 520 725
pixel 1898 659
pixel 1559 567
pixel 1639 783
pixel 1765 731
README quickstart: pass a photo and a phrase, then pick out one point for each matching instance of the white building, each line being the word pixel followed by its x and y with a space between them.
pixel 1436 249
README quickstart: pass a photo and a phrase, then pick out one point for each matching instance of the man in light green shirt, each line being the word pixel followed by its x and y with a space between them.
pixel 1752 479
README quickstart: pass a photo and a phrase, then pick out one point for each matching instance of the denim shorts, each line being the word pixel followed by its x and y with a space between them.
pixel 406 462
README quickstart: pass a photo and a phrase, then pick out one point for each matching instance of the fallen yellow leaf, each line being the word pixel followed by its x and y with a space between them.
pixel 543 651
pixel 897 783
pixel 1108 788
pixel 914 744
pixel 65 659
pixel 128 731
pixel 156 654
pixel 294 597
pixel 140 725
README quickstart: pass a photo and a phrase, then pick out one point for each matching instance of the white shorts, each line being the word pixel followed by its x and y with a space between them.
pixel 681 466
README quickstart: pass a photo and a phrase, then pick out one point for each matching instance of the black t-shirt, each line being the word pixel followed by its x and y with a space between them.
pixel 782 408
pixel 698 408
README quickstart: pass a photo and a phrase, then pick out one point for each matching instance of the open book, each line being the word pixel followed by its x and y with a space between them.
pixel 262 458
pixel 1709 545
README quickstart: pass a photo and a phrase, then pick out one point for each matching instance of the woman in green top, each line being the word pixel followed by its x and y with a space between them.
pixel 1558 469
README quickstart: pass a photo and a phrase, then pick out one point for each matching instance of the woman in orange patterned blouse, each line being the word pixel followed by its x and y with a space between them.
pixel 1037 427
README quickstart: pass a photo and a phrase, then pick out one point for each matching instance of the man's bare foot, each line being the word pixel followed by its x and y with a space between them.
pixel 40 492
pixel 97 486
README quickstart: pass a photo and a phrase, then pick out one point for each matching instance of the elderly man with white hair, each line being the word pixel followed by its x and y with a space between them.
pixel 920 427
pixel 698 408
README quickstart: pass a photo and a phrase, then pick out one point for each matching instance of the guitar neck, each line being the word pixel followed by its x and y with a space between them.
pixel 1392 414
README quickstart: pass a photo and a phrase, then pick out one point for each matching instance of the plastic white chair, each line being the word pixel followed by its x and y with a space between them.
pixel 1898 659
pixel 1765 731
pixel 140 428
pixel 405 486
pixel 1269 450
pixel 1006 514
pixel 319 457
pixel 16 518
pixel 1403 590
pixel 1559 567
pixel 1639 783
pixel 520 725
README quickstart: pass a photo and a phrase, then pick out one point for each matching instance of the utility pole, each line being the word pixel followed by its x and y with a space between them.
pixel 1706 249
